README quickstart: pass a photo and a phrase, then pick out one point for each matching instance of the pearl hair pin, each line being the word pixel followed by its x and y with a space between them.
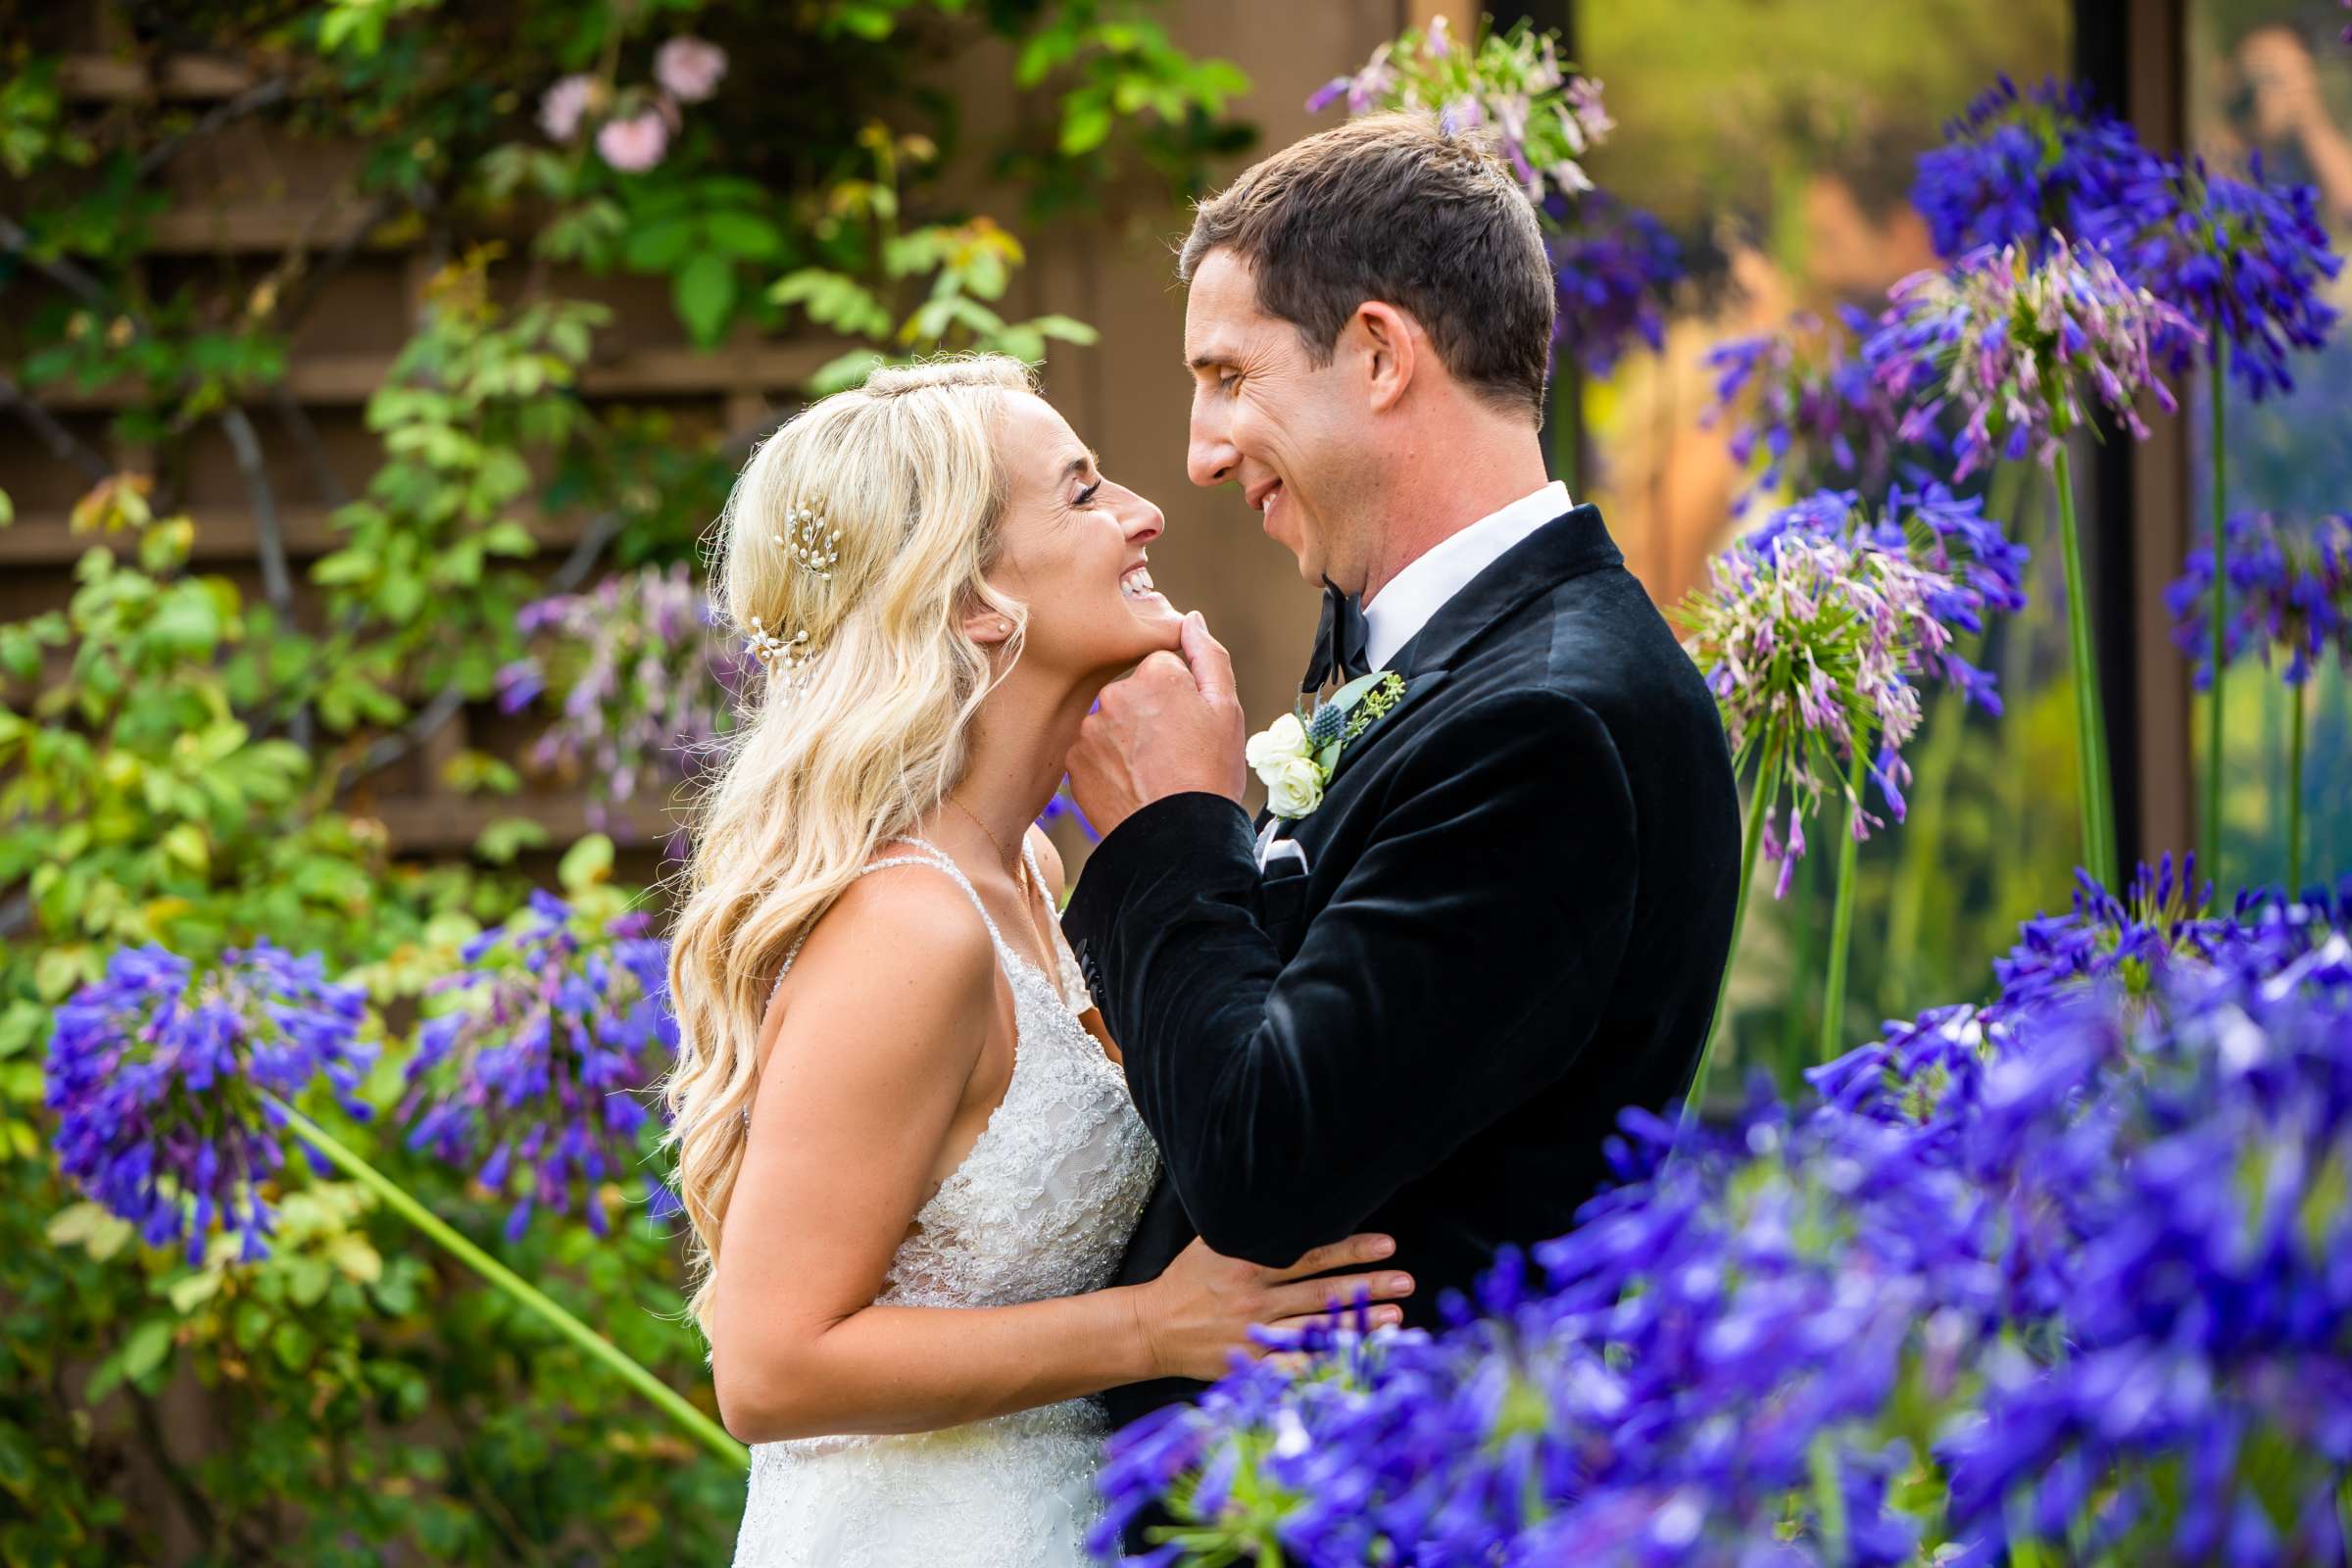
pixel 787 656
pixel 810 541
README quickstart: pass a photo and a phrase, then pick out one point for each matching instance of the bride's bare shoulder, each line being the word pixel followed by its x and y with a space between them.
pixel 899 955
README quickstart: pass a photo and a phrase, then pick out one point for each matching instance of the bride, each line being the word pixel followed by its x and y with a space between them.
pixel 893 1100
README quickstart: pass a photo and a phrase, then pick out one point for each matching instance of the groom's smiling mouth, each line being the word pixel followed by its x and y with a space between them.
pixel 1261 498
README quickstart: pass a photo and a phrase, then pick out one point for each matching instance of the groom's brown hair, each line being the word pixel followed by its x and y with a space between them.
pixel 1395 208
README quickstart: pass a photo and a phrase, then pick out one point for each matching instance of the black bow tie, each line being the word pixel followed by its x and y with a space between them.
pixel 1339 642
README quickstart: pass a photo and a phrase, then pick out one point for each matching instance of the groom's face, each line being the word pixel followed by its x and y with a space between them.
pixel 1267 418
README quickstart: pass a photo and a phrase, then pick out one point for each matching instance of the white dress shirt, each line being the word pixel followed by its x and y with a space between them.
pixel 1403 606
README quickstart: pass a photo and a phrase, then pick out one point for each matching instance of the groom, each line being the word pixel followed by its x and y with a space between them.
pixel 1418 1008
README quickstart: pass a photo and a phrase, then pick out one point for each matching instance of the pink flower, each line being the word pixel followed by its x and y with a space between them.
pixel 566 102
pixel 635 144
pixel 690 68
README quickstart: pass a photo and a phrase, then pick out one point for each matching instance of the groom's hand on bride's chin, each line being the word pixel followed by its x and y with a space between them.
pixel 1171 727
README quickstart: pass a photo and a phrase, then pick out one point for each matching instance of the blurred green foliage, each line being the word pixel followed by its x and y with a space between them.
pixel 187 760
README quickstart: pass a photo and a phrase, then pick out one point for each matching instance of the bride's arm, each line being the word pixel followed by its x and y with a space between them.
pixel 892 1000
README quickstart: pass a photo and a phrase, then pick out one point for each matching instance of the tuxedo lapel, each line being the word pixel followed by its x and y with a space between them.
pixel 1572 544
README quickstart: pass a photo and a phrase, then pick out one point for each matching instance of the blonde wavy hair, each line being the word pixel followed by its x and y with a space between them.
pixel 809 784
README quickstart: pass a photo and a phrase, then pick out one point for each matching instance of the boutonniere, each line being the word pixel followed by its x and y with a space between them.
pixel 1296 755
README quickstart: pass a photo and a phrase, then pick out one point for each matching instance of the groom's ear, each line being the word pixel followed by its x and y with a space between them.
pixel 1392 348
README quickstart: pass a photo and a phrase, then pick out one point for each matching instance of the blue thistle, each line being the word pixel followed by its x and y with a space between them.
pixel 1324 727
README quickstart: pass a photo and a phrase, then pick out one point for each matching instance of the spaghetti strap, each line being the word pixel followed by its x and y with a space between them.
pixel 927 854
pixel 933 856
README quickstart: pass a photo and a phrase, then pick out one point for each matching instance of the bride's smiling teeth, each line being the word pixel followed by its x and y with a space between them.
pixel 1136 583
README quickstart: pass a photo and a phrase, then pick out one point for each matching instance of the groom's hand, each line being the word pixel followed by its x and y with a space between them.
pixel 1171 727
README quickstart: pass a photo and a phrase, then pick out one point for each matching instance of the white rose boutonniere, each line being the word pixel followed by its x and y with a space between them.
pixel 1294 786
pixel 1283 741
pixel 1293 758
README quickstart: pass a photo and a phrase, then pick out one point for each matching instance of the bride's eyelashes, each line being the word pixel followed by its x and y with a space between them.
pixel 1086 497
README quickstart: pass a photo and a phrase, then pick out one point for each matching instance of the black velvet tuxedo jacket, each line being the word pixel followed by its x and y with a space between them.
pixel 1514 914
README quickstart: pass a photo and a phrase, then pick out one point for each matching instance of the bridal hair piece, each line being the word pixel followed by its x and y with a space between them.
pixel 785 656
pixel 810 541
pixel 852 555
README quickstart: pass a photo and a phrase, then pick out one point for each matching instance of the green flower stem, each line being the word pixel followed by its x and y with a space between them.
pixel 1567 428
pixel 1923 828
pixel 2294 789
pixel 1841 922
pixel 2090 723
pixel 709 1432
pixel 2208 822
pixel 1752 840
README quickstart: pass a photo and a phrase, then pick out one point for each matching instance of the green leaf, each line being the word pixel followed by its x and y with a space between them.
pixel 1067 329
pixel 744 235
pixel 1085 126
pixel 306 1278
pixel 191 1293
pixel 148 1346
pixel 187 843
pixel 351 1254
pixel 659 246
pixel 1044 51
pixel 832 300
pixel 507 537
pixel 586 863
pixel 59 971
pixel 293 1345
pixel 75 1224
pixel 846 371
pixel 703 295
pixel 508 836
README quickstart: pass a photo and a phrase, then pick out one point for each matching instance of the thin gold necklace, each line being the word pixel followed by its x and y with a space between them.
pixel 1020 882
pixel 1021 862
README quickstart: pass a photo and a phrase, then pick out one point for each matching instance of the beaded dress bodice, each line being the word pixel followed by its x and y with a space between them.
pixel 1041 1206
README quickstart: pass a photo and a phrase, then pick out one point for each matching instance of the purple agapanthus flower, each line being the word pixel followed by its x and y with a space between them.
pixel 2066 1282
pixel 2022 349
pixel 157 1086
pixel 1511 84
pixel 2247 260
pixel 1806 414
pixel 1814 642
pixel 2291 589
pixel 533 1077
pixel 1975 570
pixel 1612 265
pixel 2126 942
pixel 2015 168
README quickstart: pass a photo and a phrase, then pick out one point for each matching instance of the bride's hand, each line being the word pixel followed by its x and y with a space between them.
pixel 1200 1310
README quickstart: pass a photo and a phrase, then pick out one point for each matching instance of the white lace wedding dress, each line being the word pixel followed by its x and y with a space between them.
pixel 1041 1208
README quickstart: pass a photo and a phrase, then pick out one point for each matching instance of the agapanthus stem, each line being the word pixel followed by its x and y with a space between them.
pixel 1567 429
pixel 2294 789
pixel 2209 824
pixel 1923 833
pixel 2090 721
pixel 1751 841
pixel 397 1198
pixel 1841 919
